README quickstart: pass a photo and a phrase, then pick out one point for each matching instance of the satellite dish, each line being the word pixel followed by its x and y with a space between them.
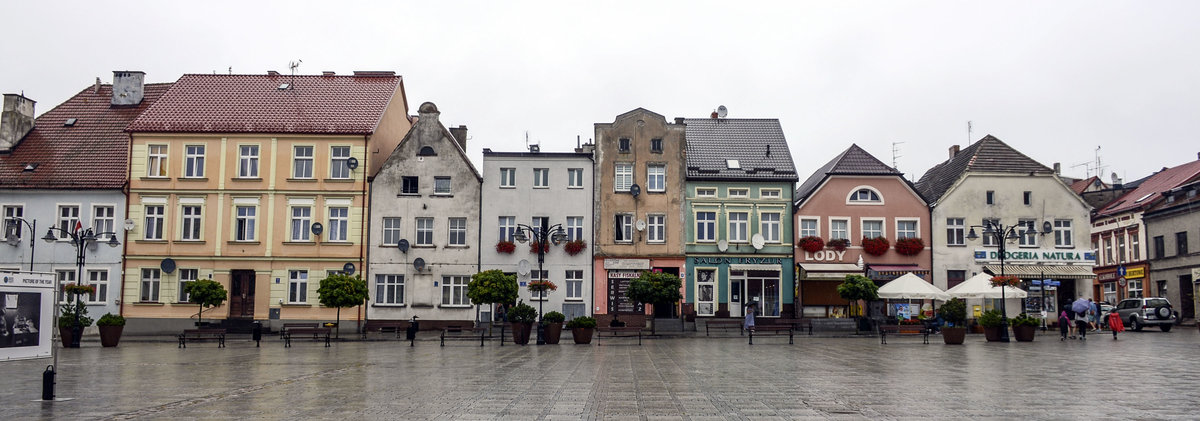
pixel 722 245
pixel 317 228
pixel 419 264
pixel 641 225
pixel 403 245
pixel 128 225
pixel 352 163
pixel 348 268
pixel 635 190
pixel 757 241
pixel 722 111
pixel 167 265
pixel 523 267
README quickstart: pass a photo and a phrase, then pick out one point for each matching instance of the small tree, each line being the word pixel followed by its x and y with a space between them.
pixel 655 288
pixel 340 290
pixel 855 288
pixel 206 293
pixel 493 287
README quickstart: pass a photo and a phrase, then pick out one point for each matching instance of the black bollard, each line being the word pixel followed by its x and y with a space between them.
pixel 48 383
pixel 257 334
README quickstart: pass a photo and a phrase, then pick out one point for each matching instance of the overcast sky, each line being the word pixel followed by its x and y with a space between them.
pixel 1055 80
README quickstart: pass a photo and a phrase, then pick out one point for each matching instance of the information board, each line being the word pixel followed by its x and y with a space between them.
pixel 618 285
pixel 27 300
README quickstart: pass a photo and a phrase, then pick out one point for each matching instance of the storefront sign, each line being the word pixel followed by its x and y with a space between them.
pixel 617 288
pixel 634 264
pixel 1135 273
pixel 1037 256
pixel 738 260
pixel 624 274
pixel 825 256
pixel 27 305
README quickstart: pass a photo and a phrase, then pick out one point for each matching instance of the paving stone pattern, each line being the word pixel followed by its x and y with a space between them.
pixel 1147 375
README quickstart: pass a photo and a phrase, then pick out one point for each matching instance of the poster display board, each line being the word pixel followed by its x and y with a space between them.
pixel 27 300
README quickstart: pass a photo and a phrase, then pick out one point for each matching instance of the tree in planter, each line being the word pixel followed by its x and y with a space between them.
pixel 522 317
pixel 206 293
pixel 855 288
pixel 954 312
pixel 493 287
pixel 655 288
pixel 340 290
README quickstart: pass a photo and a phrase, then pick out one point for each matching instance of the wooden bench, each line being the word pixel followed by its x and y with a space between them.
pixel 620 332
pixel 723 324
pixel 202 334
pixel 470 333
pixel 906 330
pixel 287 326
pixel 797 324
pixel 771 330
pixel 316 332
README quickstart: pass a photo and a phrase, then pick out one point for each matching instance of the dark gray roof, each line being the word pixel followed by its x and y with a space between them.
pixel 987 155
pixel 853 161
pixel 756 143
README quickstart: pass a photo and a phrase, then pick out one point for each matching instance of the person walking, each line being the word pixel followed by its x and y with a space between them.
pixel 1064 325
pixel 1081 325
pixel 751 309
pixel 1093 315
pixel 1114 323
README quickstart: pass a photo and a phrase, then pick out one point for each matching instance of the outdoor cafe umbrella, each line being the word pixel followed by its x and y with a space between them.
pixel 912 287
pixel 980 286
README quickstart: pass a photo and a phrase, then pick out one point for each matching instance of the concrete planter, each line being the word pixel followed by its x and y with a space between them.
pixel 992 334
pixel 553 333
pixel 520 333
pixel 1024 333
pixel 954 335
pixel 110 335
pixel 582 335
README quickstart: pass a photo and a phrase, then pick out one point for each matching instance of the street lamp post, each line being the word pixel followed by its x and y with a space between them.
pixel 12 229
pixel 540 235
pixel 1000 235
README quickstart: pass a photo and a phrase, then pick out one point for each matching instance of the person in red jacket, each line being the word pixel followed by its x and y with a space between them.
pixel 1114 323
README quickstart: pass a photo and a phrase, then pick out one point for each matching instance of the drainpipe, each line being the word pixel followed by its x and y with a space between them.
pixel 364 251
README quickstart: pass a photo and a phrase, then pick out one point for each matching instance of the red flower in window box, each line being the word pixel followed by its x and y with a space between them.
pixel 1006 281
pixel 574 247
pixel 811 244
pixel 506 247
pixel 909 246
pixel 77 289
pixel 875 246
pixel 533 247
pixel 542 286
pixel 838 244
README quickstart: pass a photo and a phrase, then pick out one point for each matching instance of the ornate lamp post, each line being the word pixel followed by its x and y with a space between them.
pixel 541 236
pixel 1000 236
pixel 12 229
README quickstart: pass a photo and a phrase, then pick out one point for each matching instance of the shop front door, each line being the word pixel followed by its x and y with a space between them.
pixel 241 294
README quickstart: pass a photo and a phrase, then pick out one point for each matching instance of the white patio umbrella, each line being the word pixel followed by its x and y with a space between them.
pixel 911 286
pixel 980 286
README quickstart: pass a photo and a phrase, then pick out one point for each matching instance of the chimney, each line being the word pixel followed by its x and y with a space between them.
pixel 714 114
pixel 678 120
pixel 16 120
pixel 96 88
pixel 1057 168
pixel 588 148
pixel 535 148
pixel 953 151
pixel 460 134
pixel 128 87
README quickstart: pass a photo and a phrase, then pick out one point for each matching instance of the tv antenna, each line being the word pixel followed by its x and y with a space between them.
pixel 1095 165
pixel 293 65
pixel 969 137
pixel 896 153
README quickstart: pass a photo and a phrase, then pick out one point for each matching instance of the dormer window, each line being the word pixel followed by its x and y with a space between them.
pixel 864 195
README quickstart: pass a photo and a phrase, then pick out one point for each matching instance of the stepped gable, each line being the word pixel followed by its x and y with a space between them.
pixel 757 144
pixel 990 155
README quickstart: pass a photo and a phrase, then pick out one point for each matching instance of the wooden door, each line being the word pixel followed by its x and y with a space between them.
pixel 241 294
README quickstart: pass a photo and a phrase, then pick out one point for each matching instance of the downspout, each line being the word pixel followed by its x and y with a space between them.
pixel 479 250
pixel 127 190
pixel 592 305
pixel 364 251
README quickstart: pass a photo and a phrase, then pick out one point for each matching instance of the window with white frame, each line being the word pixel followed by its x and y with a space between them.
pixel 656 228
pixel 248 161
pixel 301 223
pixel 955 232
pixel 458 231
pixel 769 193
pixel 1063 233
pixel 508 177
pixel 156 160
pixel 1108 250
pixel 809 227
pixel 623 228
pixel 65 276
pixel 1134 243
pixel 575 178
pixel 574 228
pixel 103 220
pixel 624 177
pixel 186 276
pixel 1121 247
pixel 739 193
pixel 191 222
pixel 1029 233
pixel 339 223
pixel 706 192
pixel 151 280
pixel 154 222
pixel 864 195
pixel 1135 288
pixel 454 290
pixel 539 275
pixel 656 177
pixel 302 162
pixel 12 212
pixel 906 229
pixel 541 178
pixel 540 222
pixel 244 224
pixel 989 240
pixel 424 231
pixel 872 228
pixel 574 281
pixel 391 231
pixel 508 227
pixel 839 229
pixel 68 219
pixel 769 226
pixel 441 186
pixel 389 289
pixel 1110 291
pixel 739 224
pixel 339 158
pixel 193 163
pixel 99 280
pixel 297 286
pixel 706 226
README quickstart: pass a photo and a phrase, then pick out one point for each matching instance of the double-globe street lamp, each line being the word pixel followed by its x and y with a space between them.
pixel 12 234
pixel 540 235
pixel 1001 235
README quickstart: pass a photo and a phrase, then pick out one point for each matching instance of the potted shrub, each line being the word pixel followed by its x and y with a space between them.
pixel 838 244
pixel 554 324
pixel 575 247
pixel 506 247
pixel 954 312
pixel 875 246
pixel 111 326
pixel 522 317
pixel 909 246
pixel 1024 326
pixel 73 315
pixel 811 244
pixel 582 328
pixel 854 289
pixel 991 320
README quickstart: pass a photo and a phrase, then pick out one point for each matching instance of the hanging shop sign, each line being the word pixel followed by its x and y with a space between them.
pixel 1037 256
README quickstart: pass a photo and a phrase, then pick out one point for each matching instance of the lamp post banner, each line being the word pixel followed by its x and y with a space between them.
pixel 1037 256
pixel 27 300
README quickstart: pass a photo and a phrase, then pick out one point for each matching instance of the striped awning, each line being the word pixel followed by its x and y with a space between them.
pixel 1044 271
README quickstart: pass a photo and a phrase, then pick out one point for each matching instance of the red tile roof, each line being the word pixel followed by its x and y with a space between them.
pixel 92 154
pixel 314 104
pixel 1152 187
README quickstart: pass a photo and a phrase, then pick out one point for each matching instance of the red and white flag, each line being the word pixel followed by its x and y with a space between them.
pixel 78 225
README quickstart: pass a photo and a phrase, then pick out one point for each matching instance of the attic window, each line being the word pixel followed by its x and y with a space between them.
pixel 70 122
pixel 31 166
pixel 1147 196
pixel 427 151
pixel 285 86
pixel 732 164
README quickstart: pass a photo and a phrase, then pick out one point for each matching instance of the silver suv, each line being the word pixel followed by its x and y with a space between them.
pixel 1137 313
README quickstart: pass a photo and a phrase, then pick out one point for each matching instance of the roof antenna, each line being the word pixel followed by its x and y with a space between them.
pixel 293 65
pixel 230 70
pixel 896 154
pixel 969 137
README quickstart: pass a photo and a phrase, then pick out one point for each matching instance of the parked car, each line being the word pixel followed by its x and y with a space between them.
pixel 1138 313
pixel 1105 308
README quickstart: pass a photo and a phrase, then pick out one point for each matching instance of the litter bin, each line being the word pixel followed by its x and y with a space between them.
pixel 413 327
pixel 256 335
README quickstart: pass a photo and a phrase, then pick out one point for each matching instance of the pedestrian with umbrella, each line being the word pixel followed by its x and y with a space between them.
pixel 1081 307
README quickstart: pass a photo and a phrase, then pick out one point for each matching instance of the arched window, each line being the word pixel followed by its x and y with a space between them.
pixel 864 195
pixel 427 151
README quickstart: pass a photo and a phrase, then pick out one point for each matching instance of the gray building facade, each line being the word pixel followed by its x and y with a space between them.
pixel 1173 229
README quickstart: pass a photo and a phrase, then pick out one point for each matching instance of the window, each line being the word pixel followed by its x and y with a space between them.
pixel 991 197
pixel 508 177
pixel 185 276
pixel 656 146
pixel 535 275
pixel 301 223
pixel 739 193
pixel 302 162
pixel 623 228
pixel 154 222
pixel 244 225
pixel 248 161
pixel 441 185
pixel 541 178
pixel 839 229
pixel 955 227
pixel 1134 246
pixel 872 228
pixel 769 227
pixel 391 231
pixel 906 229
pixel 193 161
pixel 864 195
pixel 1121 248
pixel 103 219
pixel 1108 250
pixel 656 177
pixel 656 228
pixel 623 145
pixel 1160 248
pixel 389 289
pixel 1110 291
pixel 12 212
pixel 99 280
pixel 68 219
pixel 427 151
pixel 988 239
pixel 150 283
pixel 540 222
pixel 769 194
pixel 65 276
pixel 575 178
pixel 339 158
pixel 574 228
pixel 955 277
pixel 339 224
pixel 738 226
pixel 1028 232
pixel 156 161
pixel 458 231
pixel 1028 198
pixel 624 177
pixel 1181 246
pixel 1063 233
pixel 1135 288
pixel 409 185
pixel 424 231
pixel 706 226
pixel 454 291
pixel 508 226
pixel 297 286
pixel 574 281
pixel 706 192
pixel 191 223
pixel 808 227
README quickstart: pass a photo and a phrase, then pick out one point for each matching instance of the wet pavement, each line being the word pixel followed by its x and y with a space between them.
pixel 1146 375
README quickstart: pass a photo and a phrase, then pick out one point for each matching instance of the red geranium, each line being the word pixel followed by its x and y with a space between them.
pixel 875 246
pixel 73 288
pixel 542 286
pixel 574 247
pixel 1006 281
pixel 838 244
pixel 505 247
pixel 811 244
pixel 909 246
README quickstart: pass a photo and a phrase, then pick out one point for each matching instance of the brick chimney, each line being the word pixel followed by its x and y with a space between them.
pixel 128 87
pixel 460 135
pixel 1057 168
pixel 16 120
pixel 953 151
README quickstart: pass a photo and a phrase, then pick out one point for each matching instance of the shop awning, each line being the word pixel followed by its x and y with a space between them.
pixel 830 270
pixel 890 272
pixel 1044 271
